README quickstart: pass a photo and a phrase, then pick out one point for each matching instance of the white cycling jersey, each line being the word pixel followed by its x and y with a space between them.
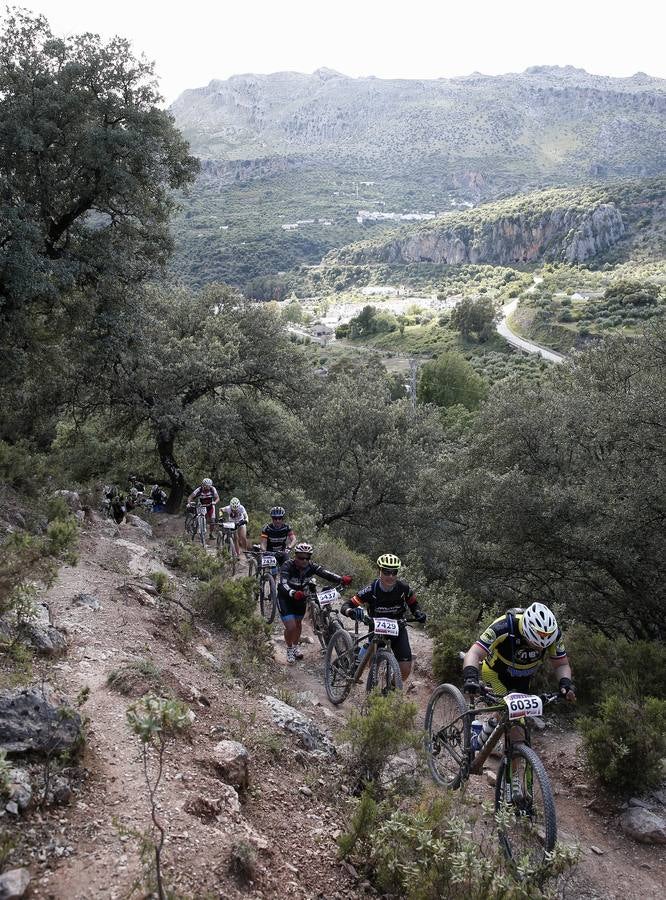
pixel 235 515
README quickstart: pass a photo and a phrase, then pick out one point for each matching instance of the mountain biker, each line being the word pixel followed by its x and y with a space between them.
pixel 159 498
pixel 294 574
pixel 277 537
pixel 388 598
pixel 511 649
pixel 207 495
pixel 235 512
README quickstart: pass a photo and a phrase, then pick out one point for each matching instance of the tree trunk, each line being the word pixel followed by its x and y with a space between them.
pixel 173 470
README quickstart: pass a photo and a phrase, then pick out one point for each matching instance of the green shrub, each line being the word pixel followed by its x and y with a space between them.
pixel 426 850
pixel 626 741
pixel 388 726
pixel 194 560
pixel 62 536
pixel 232 605
pixel 599 663
pixel 161 581
pixel 334 555
pixel 456 634
pixel 135 678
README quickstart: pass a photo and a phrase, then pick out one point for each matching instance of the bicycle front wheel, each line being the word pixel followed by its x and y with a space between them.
pixel 201 530
pixel 267 597
pixel 339 667
pixel 384 673
pixel 524 808
pixel 447 731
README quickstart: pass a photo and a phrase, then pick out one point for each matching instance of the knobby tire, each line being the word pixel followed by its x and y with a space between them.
pixel 339 667
pixel 384 673
pixel 448 736
pixel 533 827
pixel 267 603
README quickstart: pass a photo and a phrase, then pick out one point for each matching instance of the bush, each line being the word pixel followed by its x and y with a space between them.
pixel 387 727
pixel 456 633
pixel 600 663
pixel 232 605
pixel 194 560
pixel 625 743
pixel 336 556
pixel 428 851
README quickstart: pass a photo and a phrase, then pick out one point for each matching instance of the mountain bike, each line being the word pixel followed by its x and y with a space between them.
pixel 195 522
pixel 347 659
pixel 265 565
pixel 324 618
pixel 524 804
pixel 225 542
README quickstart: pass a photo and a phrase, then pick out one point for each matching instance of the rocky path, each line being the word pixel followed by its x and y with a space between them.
pixel 275 837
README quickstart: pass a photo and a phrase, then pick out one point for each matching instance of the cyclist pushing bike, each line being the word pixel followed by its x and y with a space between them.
pixel 237 514
pixel 294 575
pixel 511 649
pixel 277 537
pixel 388 598
pixel 207 495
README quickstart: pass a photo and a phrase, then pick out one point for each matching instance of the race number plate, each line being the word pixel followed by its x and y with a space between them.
pixel 228 526
pixel 523 705
pixel 327 597
pixel 267 560
pixel 387 626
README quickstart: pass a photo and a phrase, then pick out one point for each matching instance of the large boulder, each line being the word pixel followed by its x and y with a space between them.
pixel 644 826
pixel 231 760
pixel 141 524
pixel 71 498
pixel 31 723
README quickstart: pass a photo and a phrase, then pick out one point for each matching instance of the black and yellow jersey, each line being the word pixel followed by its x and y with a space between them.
pixel 510 656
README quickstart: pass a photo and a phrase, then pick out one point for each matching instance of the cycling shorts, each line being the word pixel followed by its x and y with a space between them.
pixel 290 608
pixel 400 646
pixel 210 512
pixel 503 686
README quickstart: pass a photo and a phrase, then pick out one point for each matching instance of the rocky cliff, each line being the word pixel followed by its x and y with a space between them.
pixel 559 234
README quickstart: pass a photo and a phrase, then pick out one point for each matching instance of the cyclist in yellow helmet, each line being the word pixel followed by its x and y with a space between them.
pixel 388 598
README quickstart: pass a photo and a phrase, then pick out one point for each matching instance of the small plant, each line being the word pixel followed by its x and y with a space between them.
pixel 387 727
pixel 231 604
pixel 156 721
pixel 5 770
pixel 135 678
pixel 194 560
pixel 625 741
pixel 161 581
pixel 243 861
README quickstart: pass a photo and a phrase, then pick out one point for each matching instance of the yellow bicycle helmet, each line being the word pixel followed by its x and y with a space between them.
pixel 388 561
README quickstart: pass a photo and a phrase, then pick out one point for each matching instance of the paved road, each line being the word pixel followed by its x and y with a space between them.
pixel 516 341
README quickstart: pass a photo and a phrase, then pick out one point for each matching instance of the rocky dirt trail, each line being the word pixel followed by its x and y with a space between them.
pixel 285 821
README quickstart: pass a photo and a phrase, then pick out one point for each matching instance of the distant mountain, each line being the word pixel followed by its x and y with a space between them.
pixel 296 165
pixel 549 121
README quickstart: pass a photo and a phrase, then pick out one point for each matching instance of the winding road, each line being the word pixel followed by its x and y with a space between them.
pixel 519 342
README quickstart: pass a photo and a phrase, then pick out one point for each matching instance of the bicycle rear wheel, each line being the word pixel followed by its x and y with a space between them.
pixel 525 808
pixel 339 667
pixel 190 524
pixel 384 673
pixel 447 735
pixel 267 597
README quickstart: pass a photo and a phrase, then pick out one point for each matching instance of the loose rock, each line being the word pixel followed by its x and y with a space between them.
pixel 644 826
pixel 20 788
pixel 87 600
pixel 231 759
pixel 14 883
pixel 29 722
pixel 309 734
pixel 141 524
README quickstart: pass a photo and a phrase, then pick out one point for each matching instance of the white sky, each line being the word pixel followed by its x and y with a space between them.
pixel 194 41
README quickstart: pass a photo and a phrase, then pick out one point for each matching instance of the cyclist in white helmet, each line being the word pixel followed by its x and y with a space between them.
pixel 510 651
pixel 235 512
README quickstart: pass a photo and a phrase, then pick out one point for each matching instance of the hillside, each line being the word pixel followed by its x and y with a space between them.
pixel 295 165
pixel 567 225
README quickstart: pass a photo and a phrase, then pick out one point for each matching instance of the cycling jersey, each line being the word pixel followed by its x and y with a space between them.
pixel 293 579
pixel 206 495
pixel 238 515
pixel 510 658
pixel 276 536
pixel 391 604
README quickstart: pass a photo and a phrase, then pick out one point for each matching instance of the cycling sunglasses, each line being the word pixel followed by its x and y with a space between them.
pixel 393 573
pixel 302 556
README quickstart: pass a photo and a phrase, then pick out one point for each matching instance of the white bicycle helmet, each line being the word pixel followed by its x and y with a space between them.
pixel 539 626
pixel 235 503
pixel 303 548
pixel 207 482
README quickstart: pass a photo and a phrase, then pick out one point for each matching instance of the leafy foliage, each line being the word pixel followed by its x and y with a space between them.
pixel 625 741
pixel 451 380
pixel 388 726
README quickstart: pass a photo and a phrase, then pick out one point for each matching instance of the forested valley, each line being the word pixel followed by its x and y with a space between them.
pixel 501 481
